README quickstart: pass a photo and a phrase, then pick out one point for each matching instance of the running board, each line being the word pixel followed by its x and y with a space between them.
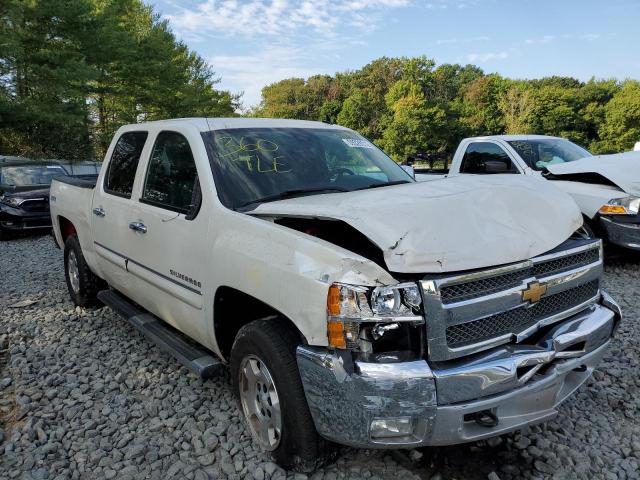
pixel 192 356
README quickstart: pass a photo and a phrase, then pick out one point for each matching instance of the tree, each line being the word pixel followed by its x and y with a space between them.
pixel 517 105
pixel 72 72
pixel 478 107
pixel 621 127
pixel 360 111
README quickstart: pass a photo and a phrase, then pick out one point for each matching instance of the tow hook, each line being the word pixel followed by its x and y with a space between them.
pixel 485 418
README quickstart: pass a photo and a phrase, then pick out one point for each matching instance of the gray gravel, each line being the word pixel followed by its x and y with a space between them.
pixel 83 395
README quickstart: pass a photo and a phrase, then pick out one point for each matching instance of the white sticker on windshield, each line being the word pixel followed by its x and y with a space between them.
pixel 357 143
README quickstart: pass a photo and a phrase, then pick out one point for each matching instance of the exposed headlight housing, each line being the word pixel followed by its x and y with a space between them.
pixel 12 201
pixel 621 206
pixel 352 308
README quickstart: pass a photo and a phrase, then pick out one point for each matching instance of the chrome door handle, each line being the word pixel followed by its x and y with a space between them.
pixel 138 227
pixel 99 212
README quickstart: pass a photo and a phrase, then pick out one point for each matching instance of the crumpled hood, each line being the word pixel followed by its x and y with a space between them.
pixel 449 225
pixel 623 169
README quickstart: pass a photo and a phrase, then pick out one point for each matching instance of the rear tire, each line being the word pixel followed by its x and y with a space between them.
pixel 269 347
pixel 82 283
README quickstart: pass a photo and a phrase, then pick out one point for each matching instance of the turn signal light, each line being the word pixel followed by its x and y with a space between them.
pixel 333 300
pixel 336 334
pixel 613 210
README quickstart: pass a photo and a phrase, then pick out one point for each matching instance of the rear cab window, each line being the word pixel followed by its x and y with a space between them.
pixel 121 172
pixel 171 180
pixel 486 158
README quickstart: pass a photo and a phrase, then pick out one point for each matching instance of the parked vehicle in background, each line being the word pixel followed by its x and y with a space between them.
pixel 605 187
pixel 24 195
pixel 636 147
pixel 13 159
pixel 24 190
pixel 352 303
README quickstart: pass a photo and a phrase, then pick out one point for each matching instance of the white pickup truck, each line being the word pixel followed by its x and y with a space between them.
pixel 352 303
pixel 605 187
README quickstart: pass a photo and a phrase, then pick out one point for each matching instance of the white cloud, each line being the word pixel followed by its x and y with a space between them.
pixel 249 73
pixel 487 57
pixel 277 18
pixel 278 39
pixel 544 39
pixel 566 36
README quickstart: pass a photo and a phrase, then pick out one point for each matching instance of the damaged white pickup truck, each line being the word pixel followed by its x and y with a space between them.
pixel 352 303
pixel 605 187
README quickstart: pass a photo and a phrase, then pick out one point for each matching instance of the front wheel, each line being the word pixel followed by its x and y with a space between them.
pixel 82 283
pixel 269 392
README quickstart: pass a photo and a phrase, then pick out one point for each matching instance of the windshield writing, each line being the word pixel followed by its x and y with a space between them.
pixel 254 164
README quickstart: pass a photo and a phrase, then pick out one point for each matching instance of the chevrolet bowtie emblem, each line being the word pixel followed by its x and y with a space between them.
pixel 534 292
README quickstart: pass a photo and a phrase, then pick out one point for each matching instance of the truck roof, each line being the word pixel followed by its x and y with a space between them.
pixel 508 138
pixel 206 124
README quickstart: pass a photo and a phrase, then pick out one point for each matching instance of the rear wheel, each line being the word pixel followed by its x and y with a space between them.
pixel 82 283
pixel 269 392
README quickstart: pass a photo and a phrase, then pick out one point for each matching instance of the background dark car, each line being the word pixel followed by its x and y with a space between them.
pixel 24 194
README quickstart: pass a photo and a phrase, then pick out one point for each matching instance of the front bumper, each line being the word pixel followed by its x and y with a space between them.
pixel 623 234
pixel 516 385
pixel 15 219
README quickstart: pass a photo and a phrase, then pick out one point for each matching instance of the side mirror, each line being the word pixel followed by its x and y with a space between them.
pixel 495 166
pixel 410 170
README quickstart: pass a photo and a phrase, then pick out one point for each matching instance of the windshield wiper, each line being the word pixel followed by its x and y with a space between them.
pixel 388 184
pixel 298 192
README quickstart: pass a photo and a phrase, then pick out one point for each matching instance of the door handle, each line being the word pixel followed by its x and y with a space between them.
pixel 138 227
pixel 99 212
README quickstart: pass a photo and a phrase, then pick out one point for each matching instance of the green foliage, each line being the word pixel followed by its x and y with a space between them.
pixel 71 73
pixel 621 127
pixel 409 105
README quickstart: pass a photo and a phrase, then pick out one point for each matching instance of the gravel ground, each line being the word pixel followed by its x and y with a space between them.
pixel 83 395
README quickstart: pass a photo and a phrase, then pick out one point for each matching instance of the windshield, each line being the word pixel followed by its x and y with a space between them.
pixel 21 176
pixel 261 164
pixel 538 153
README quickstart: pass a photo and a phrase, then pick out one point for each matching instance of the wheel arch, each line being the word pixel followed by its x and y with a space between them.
pixel 233 309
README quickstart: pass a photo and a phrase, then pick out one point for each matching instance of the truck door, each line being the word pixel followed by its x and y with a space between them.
pixel 111 209
pixel 168 236
pixel 482 158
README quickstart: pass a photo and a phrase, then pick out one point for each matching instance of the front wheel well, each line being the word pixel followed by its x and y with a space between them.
pixel 233 309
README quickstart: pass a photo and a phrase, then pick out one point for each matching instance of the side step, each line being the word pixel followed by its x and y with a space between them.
pixel 192 356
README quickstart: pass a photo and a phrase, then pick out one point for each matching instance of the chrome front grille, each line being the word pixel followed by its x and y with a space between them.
pixel 493 284
pixel 564 264
pixel 517 320
pixel 472 312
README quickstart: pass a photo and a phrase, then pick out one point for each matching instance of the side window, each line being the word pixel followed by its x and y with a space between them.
pixel 486 158
pixel 172 179
pixel 123 164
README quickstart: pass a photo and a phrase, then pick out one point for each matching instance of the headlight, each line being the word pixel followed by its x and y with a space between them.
pixel 13 201
pixel 621 206
pixel 351 308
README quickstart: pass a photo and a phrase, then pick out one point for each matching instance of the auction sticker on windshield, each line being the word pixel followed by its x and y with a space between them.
pixel 357 143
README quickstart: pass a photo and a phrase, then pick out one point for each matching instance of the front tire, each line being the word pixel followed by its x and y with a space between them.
pixel 82 283
pixel 269 392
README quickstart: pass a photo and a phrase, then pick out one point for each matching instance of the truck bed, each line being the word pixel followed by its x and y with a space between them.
pixel 82 181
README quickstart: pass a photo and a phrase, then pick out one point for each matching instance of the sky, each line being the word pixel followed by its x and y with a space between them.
pixel 253 43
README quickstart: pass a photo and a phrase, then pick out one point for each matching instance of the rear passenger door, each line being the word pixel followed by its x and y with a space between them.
pixel 111 209
pixel 168 235
pixel 484 158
